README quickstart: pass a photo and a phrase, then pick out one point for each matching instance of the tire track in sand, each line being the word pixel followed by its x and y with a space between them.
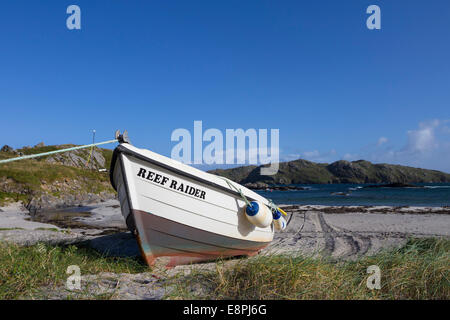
pixel 341 243
pixel 327 231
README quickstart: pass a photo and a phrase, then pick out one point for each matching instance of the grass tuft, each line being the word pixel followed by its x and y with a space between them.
pixel 24 270
pixel 419 270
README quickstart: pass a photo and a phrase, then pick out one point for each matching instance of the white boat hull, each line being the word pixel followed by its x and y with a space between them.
pixel 179 211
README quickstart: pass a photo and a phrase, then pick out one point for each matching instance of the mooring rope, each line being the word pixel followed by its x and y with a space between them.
pixel 272 205
pixel 57 151
pixel 238 190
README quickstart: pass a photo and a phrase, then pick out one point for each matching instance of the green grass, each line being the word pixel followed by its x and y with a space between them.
pixel 28 176
pixel 36 150
pixel 420 270
pixel 53 230
pixel 24 270
pixel 107 154
pixel 31 172
pixel 6 197
pixel 84 153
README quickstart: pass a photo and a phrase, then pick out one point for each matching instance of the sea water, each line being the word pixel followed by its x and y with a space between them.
pixel 431 195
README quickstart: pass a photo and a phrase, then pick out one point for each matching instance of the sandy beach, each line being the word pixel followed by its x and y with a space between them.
pixel 339 232
pixel 311 228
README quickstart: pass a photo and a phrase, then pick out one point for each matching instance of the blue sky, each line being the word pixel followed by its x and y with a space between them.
pixel 312 69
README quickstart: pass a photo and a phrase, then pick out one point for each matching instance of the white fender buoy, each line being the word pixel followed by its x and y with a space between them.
pixel 258 214
pixel 278 221
pixel 279 224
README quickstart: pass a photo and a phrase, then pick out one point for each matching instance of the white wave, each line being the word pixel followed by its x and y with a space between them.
pixel 436 187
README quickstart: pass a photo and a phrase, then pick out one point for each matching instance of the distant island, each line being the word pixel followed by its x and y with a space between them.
pixel 358 172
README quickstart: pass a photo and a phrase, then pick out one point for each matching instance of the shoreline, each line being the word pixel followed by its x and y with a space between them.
pixel 370 209
pixel 336 233
pixel 113 202
pixel 104 219
pixel 311 228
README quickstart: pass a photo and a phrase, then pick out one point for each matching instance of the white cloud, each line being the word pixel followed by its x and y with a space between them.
pixel 350 157
pixel 446 129
pixel 311 154
pixel 291 156
pixel 317 156
pixel 423 139
pixel 382 141
pixel 426 147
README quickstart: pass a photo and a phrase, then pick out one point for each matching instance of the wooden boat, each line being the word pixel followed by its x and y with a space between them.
pixel 181 212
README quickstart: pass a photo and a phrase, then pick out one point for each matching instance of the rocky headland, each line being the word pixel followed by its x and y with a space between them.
pixel 357 172
pixel 67 179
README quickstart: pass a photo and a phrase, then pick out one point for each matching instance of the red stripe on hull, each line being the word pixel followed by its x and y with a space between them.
pixel 160 237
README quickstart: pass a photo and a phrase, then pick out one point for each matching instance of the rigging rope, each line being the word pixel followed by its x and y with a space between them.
pixel 272 205
pixel 238 190
pixel 56 151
